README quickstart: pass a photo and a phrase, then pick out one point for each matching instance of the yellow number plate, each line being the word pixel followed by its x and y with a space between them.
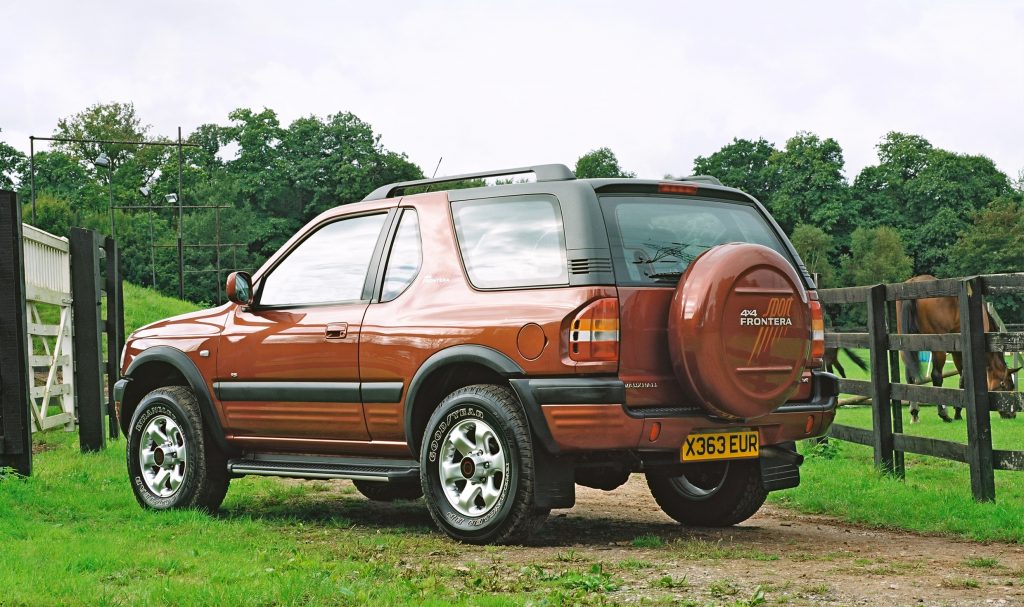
pixel 720 445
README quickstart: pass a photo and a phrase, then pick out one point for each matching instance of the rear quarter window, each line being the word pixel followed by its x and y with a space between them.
pixel 655 238
pixel 511 242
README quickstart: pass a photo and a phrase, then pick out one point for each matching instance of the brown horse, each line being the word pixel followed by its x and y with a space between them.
pixel 934 315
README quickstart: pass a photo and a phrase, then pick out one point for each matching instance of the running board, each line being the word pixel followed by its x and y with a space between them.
pixel 314 467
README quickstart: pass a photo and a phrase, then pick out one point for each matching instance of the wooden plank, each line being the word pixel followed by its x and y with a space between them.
pixel 1006 401
pixel 1004 342
pixel 55 390
pixel 899 459
pixel 47 361
pixel 878 368
pixel 1002 283
pixel 945 342
pixel 34 234
pixel 85 281
pixel 847 340
pixel 43 330
pixel 947 287
pixel 1008 460
pixel 44 295
pixel 860 387
pixel 930 394
pixel 845 295
pixel 931 446
pixel 60 419
pixel 851 434
pixel 975 361
pixel 15 403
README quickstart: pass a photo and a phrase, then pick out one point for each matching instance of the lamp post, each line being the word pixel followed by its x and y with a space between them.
pixel 103 161
pixel 152 251
pixel 172 198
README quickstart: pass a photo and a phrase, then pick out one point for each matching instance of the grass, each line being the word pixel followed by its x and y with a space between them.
pixel 143 306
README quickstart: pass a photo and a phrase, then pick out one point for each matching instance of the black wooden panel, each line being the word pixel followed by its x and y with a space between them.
pixel 975 361
pixel 859 387
pixel 881 408
pixel 1004 342
pixel 861 436
pixel 114 326
pixel 946 342
pixel 929 394
pixel 845 295
pixel 931 446
pixel 1008 460
pixel 947 287
pixel 88 346
pixel 847 340
pixel 15 430
pixel 1003 283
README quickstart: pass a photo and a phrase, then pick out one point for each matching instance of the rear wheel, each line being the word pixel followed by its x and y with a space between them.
pixel 476 467
pixel 389 492
pixel 710 494
pixel 172 460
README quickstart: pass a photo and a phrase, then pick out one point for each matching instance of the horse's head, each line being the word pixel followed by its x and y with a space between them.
pixel 1001 379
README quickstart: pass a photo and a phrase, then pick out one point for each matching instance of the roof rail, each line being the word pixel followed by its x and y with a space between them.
pixel 701 179
pixel 543 172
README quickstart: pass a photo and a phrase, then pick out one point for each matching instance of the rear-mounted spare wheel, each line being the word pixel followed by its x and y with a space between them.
pixel 739 330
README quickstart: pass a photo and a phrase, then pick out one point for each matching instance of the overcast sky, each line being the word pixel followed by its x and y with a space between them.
pixel 488 84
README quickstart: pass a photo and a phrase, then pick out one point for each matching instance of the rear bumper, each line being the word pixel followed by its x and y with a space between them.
pixel 588 414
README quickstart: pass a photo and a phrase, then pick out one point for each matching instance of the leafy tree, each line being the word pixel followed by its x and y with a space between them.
pixel 876 256
pixel 811 187
pixel 600 163
pixel 107 121
pixel 12 164
pixel 815 247
pixel 742 164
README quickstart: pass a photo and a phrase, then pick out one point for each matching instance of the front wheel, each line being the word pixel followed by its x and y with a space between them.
pixel 710 494
pixel 172 460
pixel 476 467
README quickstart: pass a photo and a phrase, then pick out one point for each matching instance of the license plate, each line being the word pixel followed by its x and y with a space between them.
pixel 720 445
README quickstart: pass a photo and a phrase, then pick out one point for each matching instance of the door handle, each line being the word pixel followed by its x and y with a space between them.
pixel 336 330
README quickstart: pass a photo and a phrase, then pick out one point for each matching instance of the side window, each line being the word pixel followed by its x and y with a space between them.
pixel 405 259
pixel 510 242
pixel 328 266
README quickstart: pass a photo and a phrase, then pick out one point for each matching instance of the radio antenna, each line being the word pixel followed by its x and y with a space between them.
pixel 437 167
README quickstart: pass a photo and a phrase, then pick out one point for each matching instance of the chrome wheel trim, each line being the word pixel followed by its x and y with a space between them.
pixel 697 492
pixel 163 456
pixel 472 467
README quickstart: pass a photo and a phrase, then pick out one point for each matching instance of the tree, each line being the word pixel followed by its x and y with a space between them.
pixel 815 247
pixel 811 187
pixel 742 164
pixel 600 163
pixel 12 164
pixel 876 256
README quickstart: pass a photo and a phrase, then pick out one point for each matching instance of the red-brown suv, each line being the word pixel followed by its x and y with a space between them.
pixel 490 348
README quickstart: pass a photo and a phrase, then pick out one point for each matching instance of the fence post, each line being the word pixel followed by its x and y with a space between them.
pixel 975 377
pixel 114 327
pixel 88 346
pixel 899 460
pixel 15 398
pixel 881 407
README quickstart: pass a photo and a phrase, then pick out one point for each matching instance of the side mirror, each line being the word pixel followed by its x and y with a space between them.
pixel 239 288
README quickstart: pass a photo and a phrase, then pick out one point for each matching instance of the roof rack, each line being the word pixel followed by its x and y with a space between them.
pixel 701 179
pixel 543 172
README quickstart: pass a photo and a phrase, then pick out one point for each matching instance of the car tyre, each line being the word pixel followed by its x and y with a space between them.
pixel 173 462
pixel 477 467
pixel 710 494
pixel 389 492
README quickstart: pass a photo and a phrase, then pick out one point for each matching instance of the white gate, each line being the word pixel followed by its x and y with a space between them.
pixel 48 296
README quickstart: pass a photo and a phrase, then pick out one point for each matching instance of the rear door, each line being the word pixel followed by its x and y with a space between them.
pixel 653 239
pixel 289 365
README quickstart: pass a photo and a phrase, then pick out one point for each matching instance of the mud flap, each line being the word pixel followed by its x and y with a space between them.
pixel 780 466
pixel 554 483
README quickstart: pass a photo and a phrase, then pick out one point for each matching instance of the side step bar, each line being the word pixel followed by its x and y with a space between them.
pixel 315 467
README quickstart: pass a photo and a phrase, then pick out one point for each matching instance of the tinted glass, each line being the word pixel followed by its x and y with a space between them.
pixel 654 239
pixel 328 266
pixel 515 241
pixel 405 258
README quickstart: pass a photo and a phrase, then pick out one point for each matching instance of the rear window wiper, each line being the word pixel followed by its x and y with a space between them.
pixel 665 276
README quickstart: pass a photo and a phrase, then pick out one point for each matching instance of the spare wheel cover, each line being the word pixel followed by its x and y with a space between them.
pixel 739 330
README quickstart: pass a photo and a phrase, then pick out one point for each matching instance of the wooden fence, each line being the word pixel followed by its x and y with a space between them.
pixel 886 393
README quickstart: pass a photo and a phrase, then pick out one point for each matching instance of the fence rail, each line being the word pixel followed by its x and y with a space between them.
pixel 886 436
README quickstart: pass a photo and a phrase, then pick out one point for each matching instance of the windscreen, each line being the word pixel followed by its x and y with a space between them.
pixel 655 238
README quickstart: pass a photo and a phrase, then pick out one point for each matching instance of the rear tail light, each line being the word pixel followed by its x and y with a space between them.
pixel 817 332
pixel 677 188
pixel 594 332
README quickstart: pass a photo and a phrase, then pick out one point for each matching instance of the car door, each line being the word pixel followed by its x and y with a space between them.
pixel 288 365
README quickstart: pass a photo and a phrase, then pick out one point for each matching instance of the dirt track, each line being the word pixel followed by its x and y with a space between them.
pixel 796 559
